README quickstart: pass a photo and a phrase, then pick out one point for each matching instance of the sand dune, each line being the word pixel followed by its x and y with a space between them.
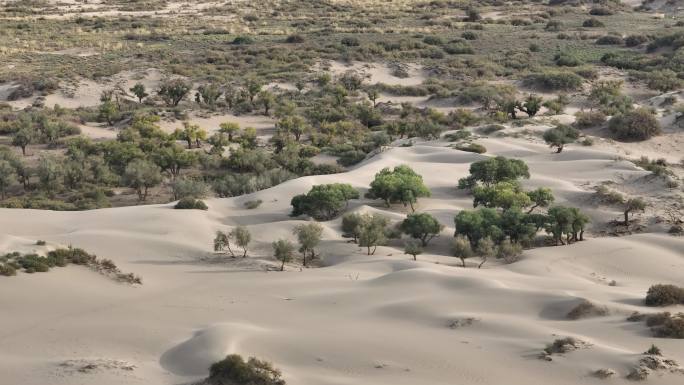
pixel 381 319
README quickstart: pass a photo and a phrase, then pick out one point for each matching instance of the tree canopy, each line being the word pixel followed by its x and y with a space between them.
pixel 401 185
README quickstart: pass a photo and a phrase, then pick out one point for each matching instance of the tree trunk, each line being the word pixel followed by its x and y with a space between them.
pixel 282 266
pixel 560 149
pixel 463 262
pixel 482 263
pixel 627 218
pixel 244 255
pixel 23 150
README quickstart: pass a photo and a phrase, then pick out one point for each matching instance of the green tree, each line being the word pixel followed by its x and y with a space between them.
pixel 309 236
pixel 141 175
pixel 373 96
pixel 253 87
pixel 560 135
pixel 230 129
pixel 477 224
pixel 540 197
pixel 283 250
pixel 413 247
pixel 242 238
pixel 173 91
pixel 421 226
pixel 324 202
pixel 494 170
pixel 560 220
pixel 50 172
pixel 351 225
pixel 191 133
pixel 208 94
pixel 139 91
pixel 8 177
pixel 509 251
pixel 189 188
pixel 502 195
pixel 632 205
pixel 173 159
pixel 23 137
pixel 579 223
pixel 401 185
pixel 461 248
pixel 221 242
pixel 486 249
pixel 292 125
pixel 108 112
pixel 266 99
pixel 531 105
pixel 372 232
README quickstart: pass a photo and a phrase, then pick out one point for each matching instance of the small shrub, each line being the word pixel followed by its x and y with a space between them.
pixel 7 270
pixel 469 35
pixel 635 40
pixel 563 345
pixel 458 135
pixel 555 81
pixel 654 351
pixel 593 23
pixel 251 205
pixel 471 147
pixel 673 327
pixel 491 128
pixel 190 204
pixel 350 42
pixel 586 309
pixel 243 40
pixel 40 243
pixel 637 125
pixel 293 39
pixel 610 40
pixel 587 119
pixel 601 11
pixel 234 370
pixel 664 295
pixel 459 48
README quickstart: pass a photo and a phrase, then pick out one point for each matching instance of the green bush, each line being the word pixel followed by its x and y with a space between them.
pixel 601 11
pixel 555 81
pixel 664 295
pixel 458 48
pixel 251 205
pixel 323 202
pixel 587 119
pixel 471 147
pixel 635 40
pixel 7 270
pixel 233 370
pixel 639 124
pixel 593 23
pixel 610 40
pixel 190 204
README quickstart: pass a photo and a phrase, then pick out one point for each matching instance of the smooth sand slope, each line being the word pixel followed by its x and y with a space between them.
pixel 377 320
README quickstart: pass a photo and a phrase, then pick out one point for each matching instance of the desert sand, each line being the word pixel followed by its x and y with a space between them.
pixel 358 319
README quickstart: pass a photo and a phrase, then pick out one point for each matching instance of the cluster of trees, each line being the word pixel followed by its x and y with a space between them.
pixel 502 226
pixel 308 236
pixel 37 127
